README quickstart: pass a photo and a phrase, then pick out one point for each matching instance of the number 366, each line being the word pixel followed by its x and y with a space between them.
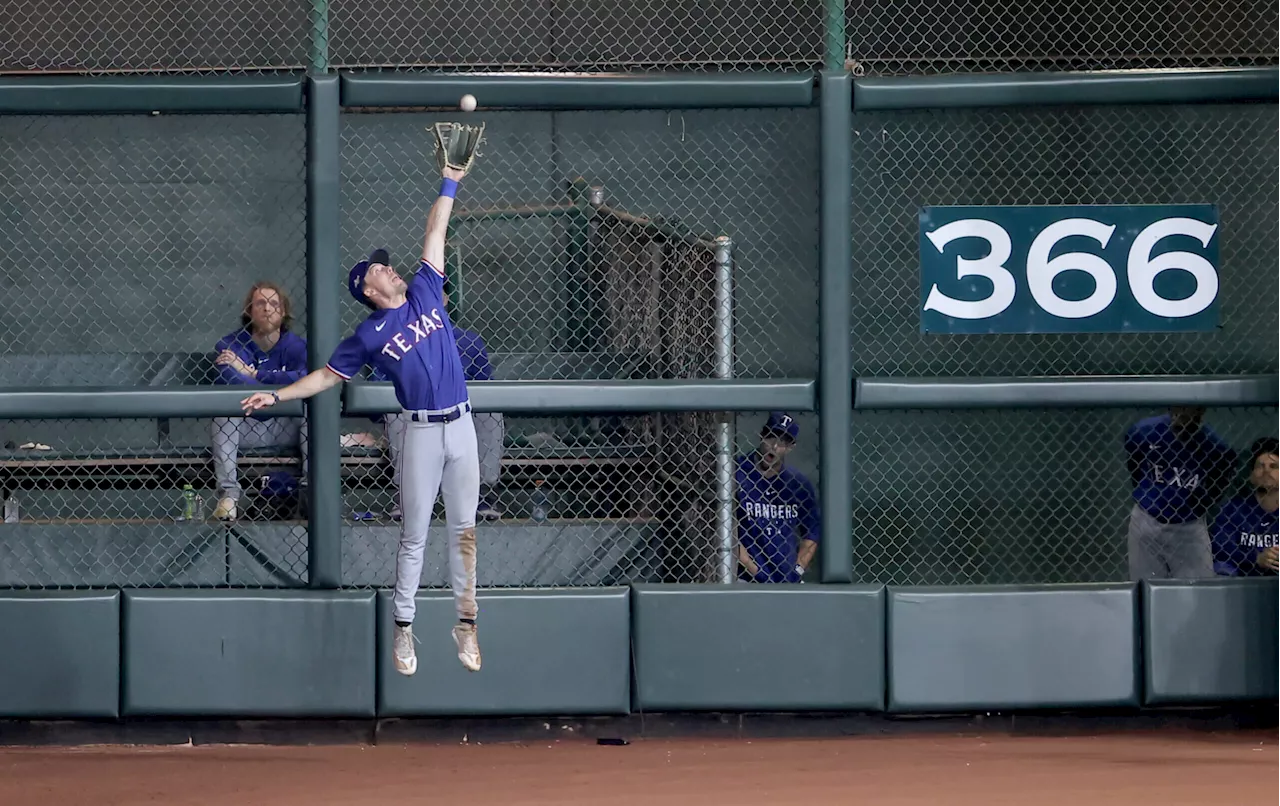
pixel 1142 268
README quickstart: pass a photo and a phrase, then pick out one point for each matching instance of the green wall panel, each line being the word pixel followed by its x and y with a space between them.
pixel 248 653
pixel 546 651
pixel 59 654
pixel 1209 640
pixel 758 648
pixel 1012 647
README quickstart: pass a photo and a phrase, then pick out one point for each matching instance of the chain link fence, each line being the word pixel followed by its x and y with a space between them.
pixel 133 503
pixel 1010 36
pixel 132 241
pixel 1220 154
pixel 590 500
pixel 609 244
pixel 118 36
pixel 577 35
pixel 1006 496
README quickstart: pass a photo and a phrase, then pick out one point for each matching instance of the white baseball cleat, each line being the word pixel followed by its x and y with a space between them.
pixel 406 658
pixel 464 635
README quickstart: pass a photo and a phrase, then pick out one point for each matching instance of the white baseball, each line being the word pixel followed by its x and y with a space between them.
pixel 468 103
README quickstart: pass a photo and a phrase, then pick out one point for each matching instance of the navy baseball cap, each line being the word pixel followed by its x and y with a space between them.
pixel 782 424
pixel 355 279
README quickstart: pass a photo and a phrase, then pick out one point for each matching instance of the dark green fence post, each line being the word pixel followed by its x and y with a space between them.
pixel 835 375
pixel 323 282
pixel 319 57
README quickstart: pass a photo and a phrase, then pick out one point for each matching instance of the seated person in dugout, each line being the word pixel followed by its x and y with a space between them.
pixel 779 523
pixel 262 352
pixel 1246 532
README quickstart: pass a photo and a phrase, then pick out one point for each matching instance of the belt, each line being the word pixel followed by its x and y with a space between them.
pixel 446 416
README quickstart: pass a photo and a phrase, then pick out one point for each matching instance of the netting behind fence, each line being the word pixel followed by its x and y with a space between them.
pixel 112 36
pixel 1005 496
pixel 132 241
pixel 578 234
pixel 1217 154
pixel 578 34
pixel 134 503
pixel 1009 35
pixel 582 501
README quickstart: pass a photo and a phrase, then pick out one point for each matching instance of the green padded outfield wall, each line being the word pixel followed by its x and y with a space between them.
pixel 59 654
pixel 546 651
pixel 1013 647
pixel 758 648
pixel 1210 640
pixel 241 653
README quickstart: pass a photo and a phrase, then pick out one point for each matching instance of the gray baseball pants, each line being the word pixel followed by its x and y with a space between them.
pixel 1168 550
pixel 230 434
pixel 437 459
pixel 490 432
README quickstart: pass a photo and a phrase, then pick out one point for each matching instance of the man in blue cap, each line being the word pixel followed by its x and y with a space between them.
pixel 409 340
pixel 778 515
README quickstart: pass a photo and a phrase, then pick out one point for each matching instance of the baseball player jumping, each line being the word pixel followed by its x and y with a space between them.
pixel 408 337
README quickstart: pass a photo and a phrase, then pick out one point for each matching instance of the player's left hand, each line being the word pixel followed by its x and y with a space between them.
pixel 257 401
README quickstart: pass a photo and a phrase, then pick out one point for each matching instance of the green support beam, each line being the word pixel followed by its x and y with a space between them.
pixel 834 315
pixel 835 30
pixel 324 538
pixel 96 95
pixel 1208 85
pixel 1065 392
pixel 319 37
pixel 595 91
pixel 545 397
pixel 66 402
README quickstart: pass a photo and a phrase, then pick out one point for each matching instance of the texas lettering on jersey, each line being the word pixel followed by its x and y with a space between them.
pixel 1179 477
pixel 399 345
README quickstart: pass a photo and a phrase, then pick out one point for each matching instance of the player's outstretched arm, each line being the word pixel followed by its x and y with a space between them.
pixel 307 386
pixel 438 219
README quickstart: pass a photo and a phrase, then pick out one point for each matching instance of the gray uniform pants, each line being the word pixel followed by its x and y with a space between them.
pixel 490 432
pixel 230 434
pixel 1167 550
pixel 437 459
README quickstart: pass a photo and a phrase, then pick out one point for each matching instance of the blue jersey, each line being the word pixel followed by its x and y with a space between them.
pixel 1176 481
pixel 413 346
pixel 1241 530
pixel 472 353
pixel 774 514
pixel 283 364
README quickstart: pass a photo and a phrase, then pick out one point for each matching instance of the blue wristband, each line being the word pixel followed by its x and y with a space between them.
pixel 448 187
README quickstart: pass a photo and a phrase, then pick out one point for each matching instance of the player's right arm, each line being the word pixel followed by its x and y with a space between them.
pixel 348 359
pixel 1133 454
pixel 310 385
pixel 438 220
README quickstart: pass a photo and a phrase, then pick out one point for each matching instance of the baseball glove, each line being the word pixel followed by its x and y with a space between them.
pixel 457 145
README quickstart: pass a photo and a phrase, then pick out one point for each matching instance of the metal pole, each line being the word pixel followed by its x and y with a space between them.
pixel 835 25
pixel 835 370
pixel 319 37
pixel 724 369
pixel 324 278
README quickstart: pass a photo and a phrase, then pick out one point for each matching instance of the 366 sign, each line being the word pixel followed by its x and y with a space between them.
pixel 1068 269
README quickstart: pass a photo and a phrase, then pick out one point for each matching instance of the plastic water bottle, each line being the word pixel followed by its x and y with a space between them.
pixel 11 508
pixel 539 513
pixel 188 502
